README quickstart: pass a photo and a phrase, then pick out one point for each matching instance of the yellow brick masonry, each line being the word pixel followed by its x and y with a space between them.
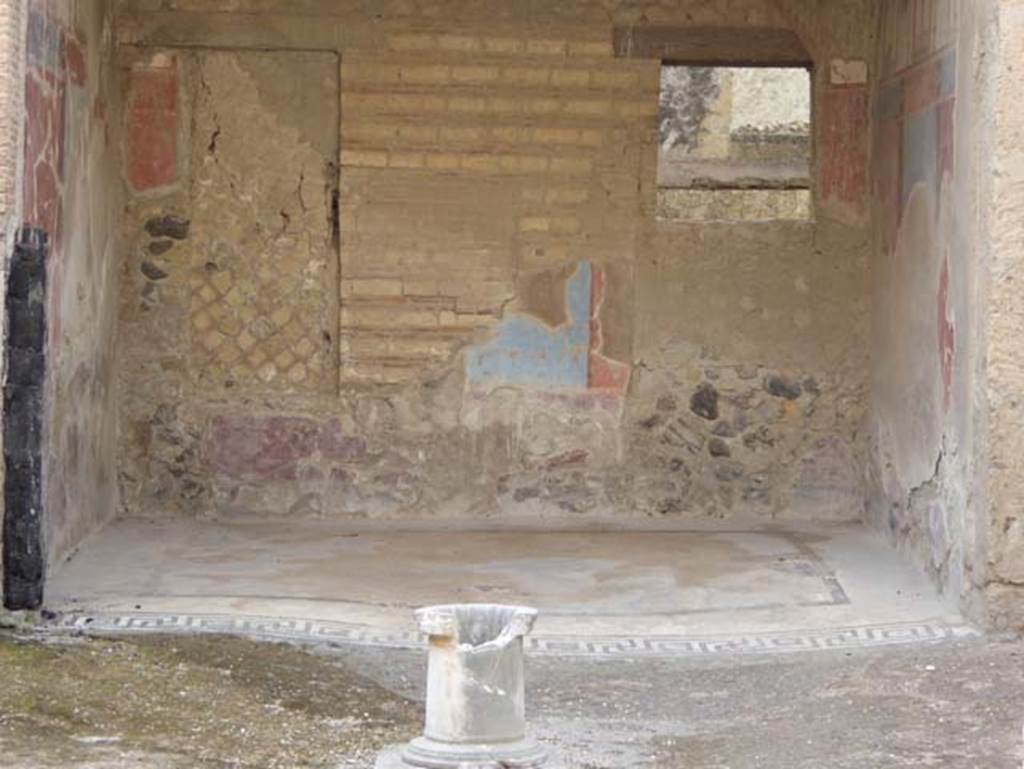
pixel 546 135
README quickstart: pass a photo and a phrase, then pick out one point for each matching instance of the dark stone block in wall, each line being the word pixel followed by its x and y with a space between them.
pixel 152 271
pixel 781 387
pixel 23 556
pixel 23 547
pixel 158 247
pixel 25 367
pixel 168 227
pixel 23 551
pixel 704 402
pixel 25 280
pixel 23 421
pixel 724 430
pixel 719 448
pixel 26 324
pixel 23 592
pixel 24 480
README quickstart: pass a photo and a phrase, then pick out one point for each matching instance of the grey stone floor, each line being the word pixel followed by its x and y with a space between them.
pixel 213 702
pixel 713 581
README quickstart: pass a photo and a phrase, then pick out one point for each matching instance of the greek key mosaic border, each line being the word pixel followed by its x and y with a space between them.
pixel 330 633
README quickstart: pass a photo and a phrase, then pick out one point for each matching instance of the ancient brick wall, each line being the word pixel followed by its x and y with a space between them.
pixel 461 302
pixel 532 144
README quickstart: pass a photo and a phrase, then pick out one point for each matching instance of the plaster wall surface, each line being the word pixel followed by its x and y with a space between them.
pixel 12 27
pixel 1003 525
pixel 919 276
pixel 69 190
pixel 942 419
pixel 496 323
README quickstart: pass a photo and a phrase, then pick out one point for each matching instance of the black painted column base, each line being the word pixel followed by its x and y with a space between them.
pixel 24 553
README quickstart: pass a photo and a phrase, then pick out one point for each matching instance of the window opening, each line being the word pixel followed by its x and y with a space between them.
pixel 734 143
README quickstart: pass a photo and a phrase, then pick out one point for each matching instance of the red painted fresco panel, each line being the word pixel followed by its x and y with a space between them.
pixel 152 128
pixel 843 150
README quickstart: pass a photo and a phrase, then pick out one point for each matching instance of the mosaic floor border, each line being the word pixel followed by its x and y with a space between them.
pixel 334 633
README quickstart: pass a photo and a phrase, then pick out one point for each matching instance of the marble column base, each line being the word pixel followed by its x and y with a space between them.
pixel 424 753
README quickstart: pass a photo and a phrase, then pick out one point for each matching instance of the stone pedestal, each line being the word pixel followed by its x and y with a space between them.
pixel 475 691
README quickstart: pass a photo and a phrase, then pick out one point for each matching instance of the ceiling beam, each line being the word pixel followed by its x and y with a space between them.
pixel 714 46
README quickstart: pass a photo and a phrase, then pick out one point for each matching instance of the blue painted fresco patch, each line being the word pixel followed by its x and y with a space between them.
pixel 44 42
pixel 920 157
pixel 947 74
pixel 527 352
pixel 889 101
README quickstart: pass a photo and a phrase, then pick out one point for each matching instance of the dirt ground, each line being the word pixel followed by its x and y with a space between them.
pixel 170 702
pixel 189 702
